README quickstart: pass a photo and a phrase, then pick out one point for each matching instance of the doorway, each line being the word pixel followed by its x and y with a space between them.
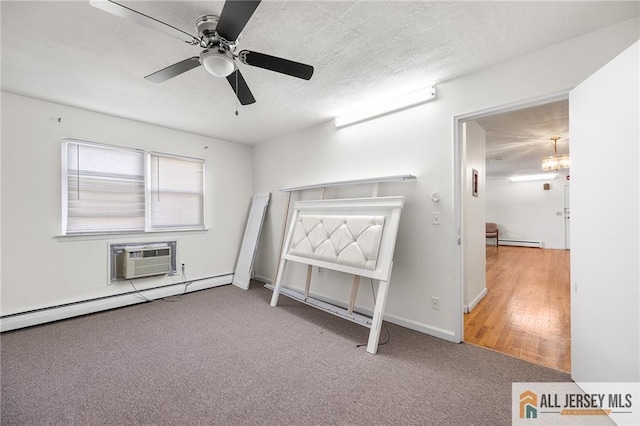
pixel 567 216
pixel 522 305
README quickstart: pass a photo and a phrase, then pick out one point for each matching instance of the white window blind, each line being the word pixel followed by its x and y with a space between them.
pixel 176 192
pixel 105 188
pixel 112 189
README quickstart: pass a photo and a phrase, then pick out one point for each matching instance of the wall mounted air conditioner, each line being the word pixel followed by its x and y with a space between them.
pixel 147 261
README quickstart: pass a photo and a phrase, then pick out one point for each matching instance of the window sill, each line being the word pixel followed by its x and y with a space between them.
pixel 111 235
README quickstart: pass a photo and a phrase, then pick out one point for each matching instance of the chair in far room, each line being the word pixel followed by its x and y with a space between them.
pixel 492 231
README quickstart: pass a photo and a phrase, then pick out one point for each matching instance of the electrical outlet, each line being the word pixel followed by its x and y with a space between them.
pixel 182 266
pixel 435 303
pixel 320 271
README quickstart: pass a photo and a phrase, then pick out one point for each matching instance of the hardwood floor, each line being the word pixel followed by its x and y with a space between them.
pixel 526 312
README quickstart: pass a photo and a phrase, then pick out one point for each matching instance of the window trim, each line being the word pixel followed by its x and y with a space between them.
pixel 147 228
pixel 148 225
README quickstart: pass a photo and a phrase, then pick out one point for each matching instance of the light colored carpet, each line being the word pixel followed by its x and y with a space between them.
pixel 224 356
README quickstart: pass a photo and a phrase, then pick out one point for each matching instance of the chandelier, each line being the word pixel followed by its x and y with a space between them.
pixel 555 161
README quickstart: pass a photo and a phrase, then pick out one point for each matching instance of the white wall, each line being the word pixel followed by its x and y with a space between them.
pixel 605 228
pixel 524 211
pixel 473 239
pixel 38 269
pixel 418 141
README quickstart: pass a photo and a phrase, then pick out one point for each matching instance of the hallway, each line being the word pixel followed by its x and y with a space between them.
pixel 526 312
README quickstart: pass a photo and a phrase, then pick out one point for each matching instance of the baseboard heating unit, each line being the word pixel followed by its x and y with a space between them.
pixel 521 243
pixel 69 310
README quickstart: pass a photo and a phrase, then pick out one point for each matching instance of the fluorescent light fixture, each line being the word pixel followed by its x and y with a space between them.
pixel 392 105
pixel 526 178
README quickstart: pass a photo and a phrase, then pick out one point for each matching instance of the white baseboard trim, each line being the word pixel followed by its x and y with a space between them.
pixel 404 322
pixel 263 279
pixel 468 308
pixel 56 313
pixel 423 328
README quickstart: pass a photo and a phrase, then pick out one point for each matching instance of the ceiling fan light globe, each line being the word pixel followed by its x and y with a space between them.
pixel 216 63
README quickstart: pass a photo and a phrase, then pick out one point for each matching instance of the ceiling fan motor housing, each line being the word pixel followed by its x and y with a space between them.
pixel 206 26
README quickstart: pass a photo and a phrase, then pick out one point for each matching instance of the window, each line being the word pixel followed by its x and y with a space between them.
pixel 105 189
pixel 114 189
pixel 176 192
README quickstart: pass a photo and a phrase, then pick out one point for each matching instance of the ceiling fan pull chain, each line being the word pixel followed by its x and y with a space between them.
pixel 236 91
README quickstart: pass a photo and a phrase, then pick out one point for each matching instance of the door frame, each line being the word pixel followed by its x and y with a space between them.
pixel 458 191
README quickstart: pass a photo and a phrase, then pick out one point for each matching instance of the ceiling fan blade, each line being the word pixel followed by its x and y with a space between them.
pixel 234 16
pixel 142 19
pixel 174 70
pixel 241 89
pixel 272 63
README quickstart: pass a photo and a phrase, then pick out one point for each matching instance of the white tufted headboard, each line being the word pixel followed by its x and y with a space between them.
pixel 342 239
pixel 356 236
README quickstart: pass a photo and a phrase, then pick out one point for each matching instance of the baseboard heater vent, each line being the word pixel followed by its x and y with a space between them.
pixel 75 309
pixel 521 243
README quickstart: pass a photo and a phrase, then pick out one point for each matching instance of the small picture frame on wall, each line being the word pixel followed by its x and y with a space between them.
pixel 474 182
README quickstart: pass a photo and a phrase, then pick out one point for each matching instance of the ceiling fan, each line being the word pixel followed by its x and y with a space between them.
pixel 218 37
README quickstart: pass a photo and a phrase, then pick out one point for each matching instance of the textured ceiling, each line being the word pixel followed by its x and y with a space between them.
pixel 72 53
pixel 518 140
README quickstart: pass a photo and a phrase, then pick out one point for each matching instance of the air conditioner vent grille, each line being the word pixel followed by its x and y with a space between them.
pixel 145 262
